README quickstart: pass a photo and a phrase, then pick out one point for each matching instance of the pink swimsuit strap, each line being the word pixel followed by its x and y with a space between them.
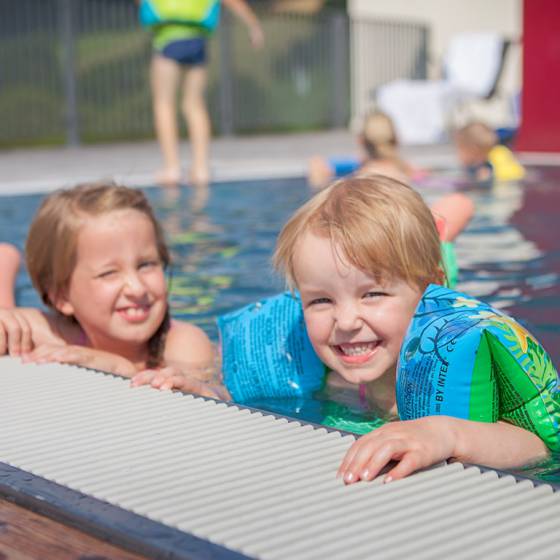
pixel 362 394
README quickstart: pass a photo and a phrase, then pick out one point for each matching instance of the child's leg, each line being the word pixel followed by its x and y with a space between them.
pixel 164 76
pixel 457 210
pixel 9 265
pixel 198 122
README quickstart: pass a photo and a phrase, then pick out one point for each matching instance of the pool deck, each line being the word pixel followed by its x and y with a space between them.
pixel 232 158
pixel 134 163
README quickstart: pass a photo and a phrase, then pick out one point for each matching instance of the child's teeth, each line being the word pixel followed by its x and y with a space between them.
pixel 357 349
pixel 134 312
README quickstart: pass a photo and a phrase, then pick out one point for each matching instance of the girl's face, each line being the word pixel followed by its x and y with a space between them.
pixel 355 324
pixel 117 290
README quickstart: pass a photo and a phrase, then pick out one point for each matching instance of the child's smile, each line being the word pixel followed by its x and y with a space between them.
pixel 355 323
pixel 356 352
pixel 134 313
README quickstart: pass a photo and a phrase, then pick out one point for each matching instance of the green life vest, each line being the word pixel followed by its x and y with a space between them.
pixel 202 13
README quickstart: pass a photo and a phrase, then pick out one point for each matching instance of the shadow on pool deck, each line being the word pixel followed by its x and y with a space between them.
pixel 247 157
pixel 263 156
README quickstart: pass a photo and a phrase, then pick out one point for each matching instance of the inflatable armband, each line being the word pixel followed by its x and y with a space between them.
pixel 344 166
pixel 462 358
pixel 203 13
pixel 450 265
pixel 506 167
pixel 266 351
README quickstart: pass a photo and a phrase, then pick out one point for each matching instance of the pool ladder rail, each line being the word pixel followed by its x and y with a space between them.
pixel 177 476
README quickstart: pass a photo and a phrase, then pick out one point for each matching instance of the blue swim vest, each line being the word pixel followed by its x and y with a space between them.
pixel 202 13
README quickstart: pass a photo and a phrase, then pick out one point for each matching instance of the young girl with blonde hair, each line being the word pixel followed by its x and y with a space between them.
pixel 97 257
pixel 362 254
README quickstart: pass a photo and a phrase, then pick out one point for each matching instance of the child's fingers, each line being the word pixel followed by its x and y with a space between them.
pixel 409 463
pixel 171 382
pixel 11 334
pixel 369 462
pixel 353 452
pixel 3 340
pixel 143 378
pixel 26 337
pixel 62 354
pixel 373 457
pixel 41 353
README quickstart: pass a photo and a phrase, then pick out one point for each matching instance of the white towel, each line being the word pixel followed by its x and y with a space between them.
pixel 472 62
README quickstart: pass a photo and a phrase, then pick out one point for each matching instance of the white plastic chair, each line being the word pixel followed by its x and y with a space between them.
pixel 422 109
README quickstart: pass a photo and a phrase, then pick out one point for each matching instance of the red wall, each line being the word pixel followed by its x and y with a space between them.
pixel 540 99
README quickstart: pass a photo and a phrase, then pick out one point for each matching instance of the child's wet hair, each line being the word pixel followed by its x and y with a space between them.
pixel 379 136
pixel 378 224
pixel 476 135
pixel 51 246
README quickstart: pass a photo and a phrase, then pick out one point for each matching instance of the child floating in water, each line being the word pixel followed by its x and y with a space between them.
pixel 96 255
pixel 483 159
pixel 379 143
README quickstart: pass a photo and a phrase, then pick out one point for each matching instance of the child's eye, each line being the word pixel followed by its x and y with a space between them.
pixel 374 294
pixel 149 264
pixel 106 273
pixel 319 301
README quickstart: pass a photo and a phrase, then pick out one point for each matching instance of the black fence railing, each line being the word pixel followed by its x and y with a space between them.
pixel 76 71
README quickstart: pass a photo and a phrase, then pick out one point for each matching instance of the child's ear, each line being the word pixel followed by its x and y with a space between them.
pixel 60 303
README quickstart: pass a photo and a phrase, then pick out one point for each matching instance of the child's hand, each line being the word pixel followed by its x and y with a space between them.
pixel 15 333
pixel 413 444
pixel 319 172
pixel 171 378
pixel 256 36
pixel 80 356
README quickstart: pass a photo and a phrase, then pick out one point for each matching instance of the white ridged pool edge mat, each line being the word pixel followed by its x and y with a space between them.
pixel 175 476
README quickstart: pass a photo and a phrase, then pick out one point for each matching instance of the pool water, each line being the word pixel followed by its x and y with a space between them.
pixel 222 239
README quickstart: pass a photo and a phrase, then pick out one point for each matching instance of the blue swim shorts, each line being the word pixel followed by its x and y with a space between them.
pixel 190 52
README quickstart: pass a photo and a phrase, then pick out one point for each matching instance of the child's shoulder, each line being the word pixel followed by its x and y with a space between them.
pixel 188 343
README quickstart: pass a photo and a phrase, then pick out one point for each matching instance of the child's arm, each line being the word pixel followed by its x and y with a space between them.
pixel 416 444
pixel 246 14
pixel 455 210
pixel 10 260
pixel 168 378
pixel 36 336
pixel 64 353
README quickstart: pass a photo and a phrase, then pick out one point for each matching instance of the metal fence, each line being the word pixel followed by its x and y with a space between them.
pixel 76 71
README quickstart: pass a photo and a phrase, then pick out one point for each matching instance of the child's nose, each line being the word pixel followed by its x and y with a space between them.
pixel 348 317
pixel 133 284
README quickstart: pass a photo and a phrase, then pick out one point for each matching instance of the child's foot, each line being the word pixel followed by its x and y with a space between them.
pixel 199 176
pixel 169 177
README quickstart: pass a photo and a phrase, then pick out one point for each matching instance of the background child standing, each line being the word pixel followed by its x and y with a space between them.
pixel 180 55
pixel 96 255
